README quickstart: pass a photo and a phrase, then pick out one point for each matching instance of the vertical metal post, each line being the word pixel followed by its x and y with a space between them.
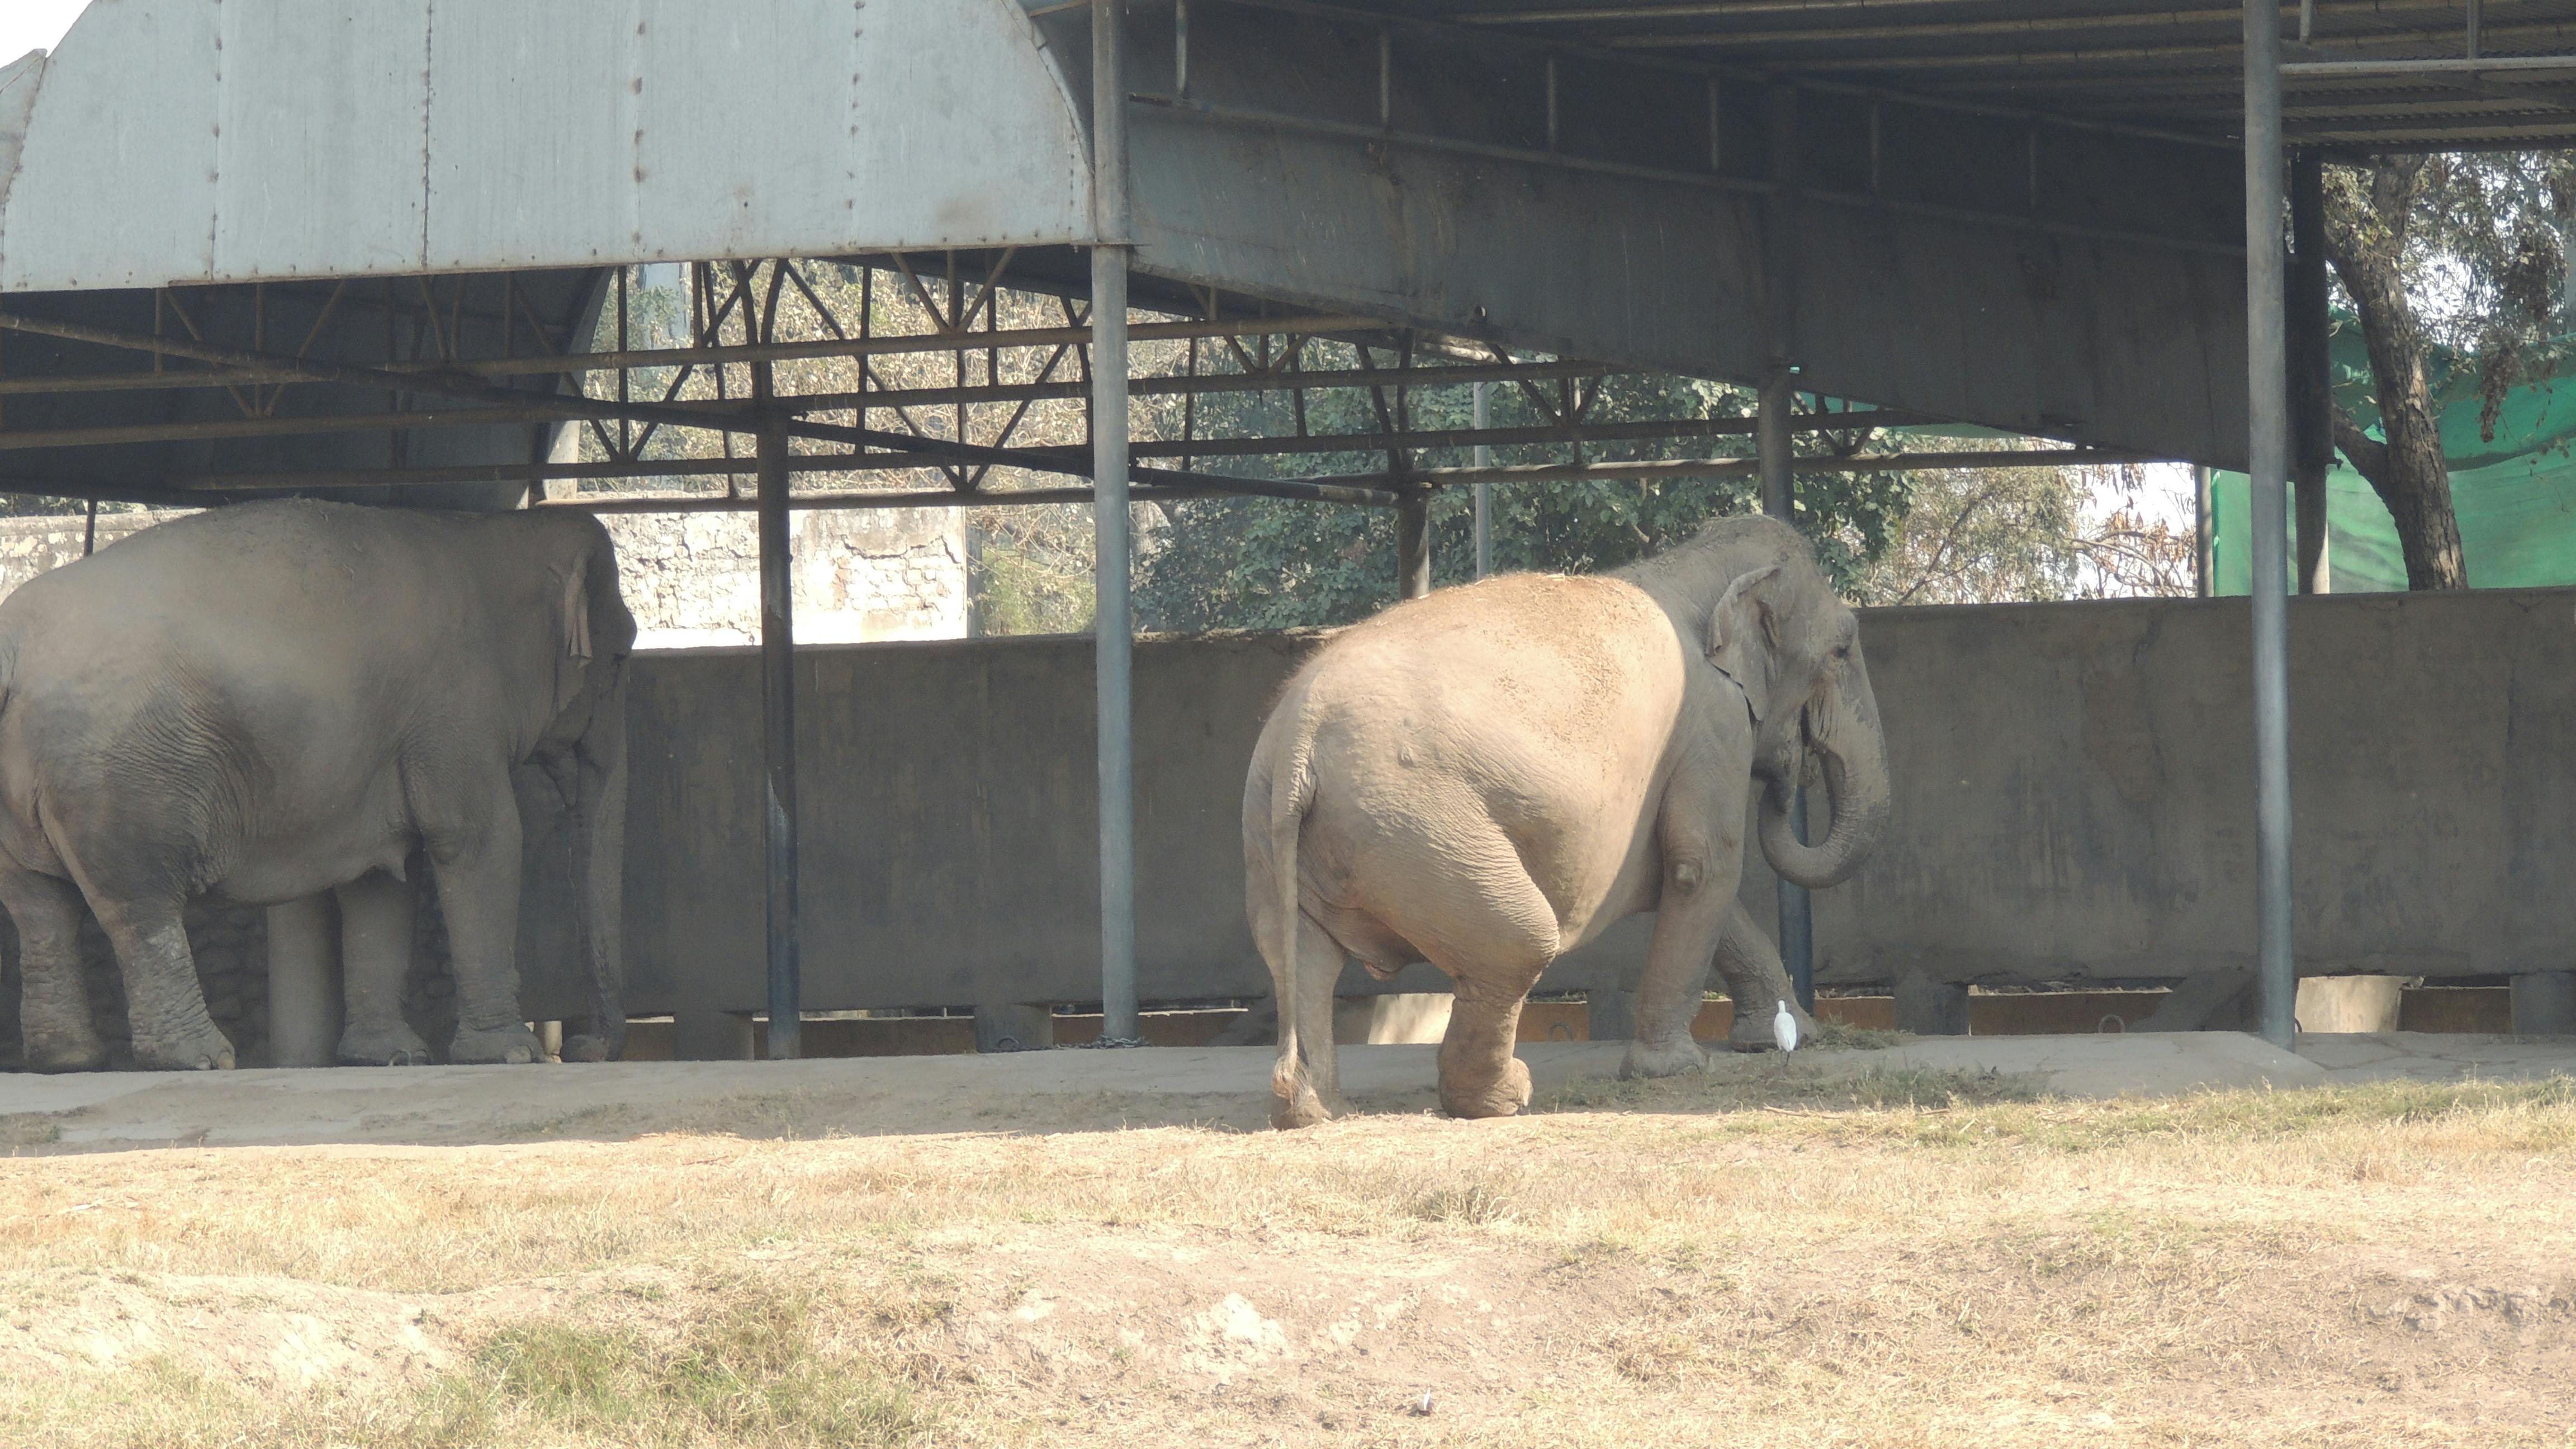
pixel 2204 553
pixel 1412 539
pixel 2311 378
pixel 1779 500
pixel 1484 495
pixel 2268 466
pixel 778 726
pixel 1111 628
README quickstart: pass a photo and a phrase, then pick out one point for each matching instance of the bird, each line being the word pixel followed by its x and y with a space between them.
pixel 1784 1028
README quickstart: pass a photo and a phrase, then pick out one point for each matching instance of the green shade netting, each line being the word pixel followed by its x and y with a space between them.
pixel 2515 493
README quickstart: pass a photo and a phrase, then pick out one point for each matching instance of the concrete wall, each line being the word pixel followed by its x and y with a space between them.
pixel 2073 800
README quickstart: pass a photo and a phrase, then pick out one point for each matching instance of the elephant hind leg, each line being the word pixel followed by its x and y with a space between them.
pixel 1308 1090
pixel 163 1002
pixel 53 1010
pixel 1493 952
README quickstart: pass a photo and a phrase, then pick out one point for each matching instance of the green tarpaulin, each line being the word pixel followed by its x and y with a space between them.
pixel 2515 493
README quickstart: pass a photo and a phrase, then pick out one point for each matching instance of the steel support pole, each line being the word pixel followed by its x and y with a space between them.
pixel 2204 544
pixel 2268 458
pixel 778 735
pixel 1111 625
pixel 1412 538
pixel 2311 377
pixel 1779 500
pixel 1484 494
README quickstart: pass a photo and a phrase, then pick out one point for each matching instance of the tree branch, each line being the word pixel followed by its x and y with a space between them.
pixel 2369 455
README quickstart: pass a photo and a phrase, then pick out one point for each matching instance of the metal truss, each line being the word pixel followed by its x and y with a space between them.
pixel 676 413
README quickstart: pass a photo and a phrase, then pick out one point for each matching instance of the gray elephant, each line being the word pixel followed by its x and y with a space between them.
pixel 264 702
pixel 1486 778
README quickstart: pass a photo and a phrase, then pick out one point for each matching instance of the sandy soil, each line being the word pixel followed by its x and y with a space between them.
pixel 1781 1257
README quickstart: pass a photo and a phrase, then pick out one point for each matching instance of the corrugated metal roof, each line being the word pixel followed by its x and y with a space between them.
pixel 2170 66
pixel 172 141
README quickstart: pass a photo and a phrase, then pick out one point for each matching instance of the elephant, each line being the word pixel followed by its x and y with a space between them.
pixel 1488 776
pixel 263 702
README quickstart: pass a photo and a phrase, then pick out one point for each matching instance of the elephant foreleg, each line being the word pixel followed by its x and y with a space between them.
pixel 375 957
pixel 1699 885
pixel 476 871
pixel 163 1002
pixel 53 1009
pixel 1479 1075
pixel 1750 966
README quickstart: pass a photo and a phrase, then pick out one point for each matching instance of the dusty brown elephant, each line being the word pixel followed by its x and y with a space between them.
pixel 1486 778
pixel 264 702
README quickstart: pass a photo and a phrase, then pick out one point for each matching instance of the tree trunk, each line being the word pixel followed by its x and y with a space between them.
pixel 2366 245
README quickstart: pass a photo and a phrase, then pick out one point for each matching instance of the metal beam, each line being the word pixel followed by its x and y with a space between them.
pixel 2268 453
pixel 1112 627
pixel 1965 29
pixel 691 415
pixel 1362 489
pixel 243 366
pixel 1797 928
pixel 778 724
pixel 1750 467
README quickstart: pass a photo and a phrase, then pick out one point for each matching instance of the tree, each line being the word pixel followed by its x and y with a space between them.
pixel 2466 251
pixel 2368 211
pixel 1998 535
pixel 1262 563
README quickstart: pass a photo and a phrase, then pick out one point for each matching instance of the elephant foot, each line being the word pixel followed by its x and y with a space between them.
pixel 513 1045
pixel 1505 1096
pixel 1644 1061
pixel 1752 1029
pixel 73 1050
pixel 202 1049
pixel 388 1046
pixel 1295 1102
pixel 591 1049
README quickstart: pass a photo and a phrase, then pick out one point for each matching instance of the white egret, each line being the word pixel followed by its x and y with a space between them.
pixel 1784 1027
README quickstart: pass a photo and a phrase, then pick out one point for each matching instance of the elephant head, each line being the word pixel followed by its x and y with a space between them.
pixel 1794 648
pixel 583 751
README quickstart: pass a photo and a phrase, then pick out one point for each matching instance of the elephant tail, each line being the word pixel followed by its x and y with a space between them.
pixel 1292 792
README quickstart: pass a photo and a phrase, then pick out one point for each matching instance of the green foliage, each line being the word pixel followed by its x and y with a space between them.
pixel 1267 564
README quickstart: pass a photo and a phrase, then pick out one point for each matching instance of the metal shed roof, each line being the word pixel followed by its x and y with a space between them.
pixel 189 141
pixel 2357 75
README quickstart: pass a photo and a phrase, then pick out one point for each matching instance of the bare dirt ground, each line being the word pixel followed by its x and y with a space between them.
pixel 1776 1255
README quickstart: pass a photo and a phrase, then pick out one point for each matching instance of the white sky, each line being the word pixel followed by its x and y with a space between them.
pixel 27 25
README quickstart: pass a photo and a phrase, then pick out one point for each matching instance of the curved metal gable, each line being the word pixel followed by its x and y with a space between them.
pixel 184 141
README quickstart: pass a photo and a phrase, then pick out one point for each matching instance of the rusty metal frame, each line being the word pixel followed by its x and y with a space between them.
pixel 432 383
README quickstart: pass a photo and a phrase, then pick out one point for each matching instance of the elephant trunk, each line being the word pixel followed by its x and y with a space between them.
pixel 599 838
pixel 1852 751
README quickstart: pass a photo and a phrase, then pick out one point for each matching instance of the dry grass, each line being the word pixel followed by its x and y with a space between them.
pixel 1907 1259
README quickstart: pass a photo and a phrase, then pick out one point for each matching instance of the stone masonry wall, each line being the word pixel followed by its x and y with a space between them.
pixel 862 575
pixel 692 580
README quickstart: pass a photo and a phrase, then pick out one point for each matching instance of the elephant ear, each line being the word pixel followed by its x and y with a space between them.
pixel 572 625
pixel 1744 635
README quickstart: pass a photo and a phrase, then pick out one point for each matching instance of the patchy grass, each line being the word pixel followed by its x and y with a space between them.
pixel 1784 1083
pixel 1763 1257
pixel 1836 1036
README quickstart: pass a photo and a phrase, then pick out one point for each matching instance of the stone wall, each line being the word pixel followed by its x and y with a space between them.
pixel 862 575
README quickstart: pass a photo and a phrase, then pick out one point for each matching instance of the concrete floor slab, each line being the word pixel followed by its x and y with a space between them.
pixel 1078 1089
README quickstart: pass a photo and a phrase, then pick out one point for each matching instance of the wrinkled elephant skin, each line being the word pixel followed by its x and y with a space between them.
pixel 1488 777
pixel 264 702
